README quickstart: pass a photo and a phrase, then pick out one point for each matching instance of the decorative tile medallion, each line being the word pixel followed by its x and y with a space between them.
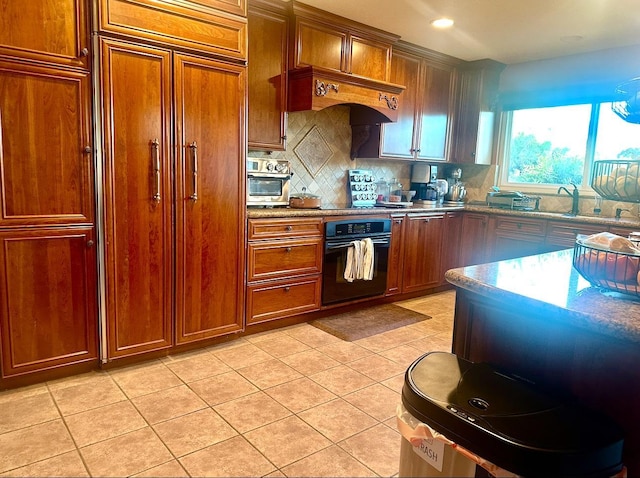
pixel 314 151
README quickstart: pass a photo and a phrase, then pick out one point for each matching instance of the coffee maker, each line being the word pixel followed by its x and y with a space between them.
pixel 423 181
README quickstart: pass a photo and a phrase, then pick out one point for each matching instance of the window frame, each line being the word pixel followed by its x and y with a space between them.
pixel 504 144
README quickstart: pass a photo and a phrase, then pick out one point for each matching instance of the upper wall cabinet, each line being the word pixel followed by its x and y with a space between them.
pixel 267 74
pixel 474 130
pixel 425 114
pixel 45 146
pixel 335 43
pixel 216 27
pixel 55 31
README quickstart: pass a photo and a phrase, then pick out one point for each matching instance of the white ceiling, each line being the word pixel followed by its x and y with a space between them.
pixel 510 31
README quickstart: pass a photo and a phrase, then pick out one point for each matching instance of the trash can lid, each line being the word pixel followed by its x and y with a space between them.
pixel 510 422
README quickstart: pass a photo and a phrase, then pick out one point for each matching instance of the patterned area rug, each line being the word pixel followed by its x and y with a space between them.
pixel 358 324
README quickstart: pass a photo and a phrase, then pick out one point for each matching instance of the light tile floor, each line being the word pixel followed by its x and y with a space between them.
pixel 289 402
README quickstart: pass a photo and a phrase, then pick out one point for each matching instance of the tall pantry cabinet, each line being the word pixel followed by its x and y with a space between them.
pixel 48 308
pixel 173 177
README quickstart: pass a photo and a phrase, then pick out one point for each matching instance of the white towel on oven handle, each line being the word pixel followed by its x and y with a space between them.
pixel 367 259
pixel 351 263
pixel 359 263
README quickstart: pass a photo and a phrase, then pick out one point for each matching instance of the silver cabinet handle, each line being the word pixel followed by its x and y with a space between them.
pixel 194 156
pixel 155 148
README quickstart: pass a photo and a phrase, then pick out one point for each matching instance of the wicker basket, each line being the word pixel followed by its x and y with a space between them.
pixel 617 180
pixel 617 271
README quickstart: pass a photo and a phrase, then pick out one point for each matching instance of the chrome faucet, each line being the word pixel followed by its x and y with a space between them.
pixel 575 196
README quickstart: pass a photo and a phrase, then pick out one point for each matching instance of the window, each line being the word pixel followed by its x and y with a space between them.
pixel 547 147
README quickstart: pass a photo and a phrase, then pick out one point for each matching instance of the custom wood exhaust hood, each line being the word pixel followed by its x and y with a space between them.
pixel 371 101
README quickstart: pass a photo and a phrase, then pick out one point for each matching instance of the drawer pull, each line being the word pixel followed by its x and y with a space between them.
pixel 288 249
pixel 288 228
pixel 287 289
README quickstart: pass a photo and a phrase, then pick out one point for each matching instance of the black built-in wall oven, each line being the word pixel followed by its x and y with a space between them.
pixel 339 237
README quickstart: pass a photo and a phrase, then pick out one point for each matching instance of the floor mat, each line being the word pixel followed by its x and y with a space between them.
pixel 358 324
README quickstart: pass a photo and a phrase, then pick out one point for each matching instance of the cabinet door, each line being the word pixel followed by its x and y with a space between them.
pixel 436 112
pixel 452 241
pixel 475 116
pixel 210 185
pixel 137 170
pixel 398 138
pixel 48 299
pixel 267 76
pixel 473 239
pixel 423 251
pixel 318 45
pixel 47 177
pixel 562 235
pixel 194 24
pixel 396 251
pixel 513 237
pixel 369 59
pixel 54 31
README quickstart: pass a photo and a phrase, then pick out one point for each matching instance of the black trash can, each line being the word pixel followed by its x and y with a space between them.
pixel 509 422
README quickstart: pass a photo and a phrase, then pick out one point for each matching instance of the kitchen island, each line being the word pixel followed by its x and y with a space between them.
pixel 537 318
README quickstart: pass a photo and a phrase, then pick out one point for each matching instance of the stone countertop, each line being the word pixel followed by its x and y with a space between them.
pixel 628 222
pixel 550 284
pixel 371 211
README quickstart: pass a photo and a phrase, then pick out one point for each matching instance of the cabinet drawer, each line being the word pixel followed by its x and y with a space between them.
pixel 564 234
pixel 527 226
pixel 270 260
pixel 276 300
pixel 285 228
pixel 194 25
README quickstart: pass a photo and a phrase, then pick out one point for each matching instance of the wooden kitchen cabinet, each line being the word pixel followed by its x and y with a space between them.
pixel 475 117
pixel 425 114
pixel 452 243
pixel 48 311
pixel 48 278
pixel 423 246
pixel 436 111
pixel 284 268
pixel 396 255
pixel 212 27
pixel 620 231
pixel 55 32
pixel 145 161
pixel 512 237
pixel 283 258
pixel 562 234
pixel 334 43
pixel 137 165
pixel 267 75
pixel 210 101
pixel 47 167
pixel 473 239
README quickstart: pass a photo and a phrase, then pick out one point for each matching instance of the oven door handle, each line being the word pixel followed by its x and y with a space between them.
pixel 269 176
pixel 344 245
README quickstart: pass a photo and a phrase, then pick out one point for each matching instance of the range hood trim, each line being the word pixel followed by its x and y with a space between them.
pixel 342 89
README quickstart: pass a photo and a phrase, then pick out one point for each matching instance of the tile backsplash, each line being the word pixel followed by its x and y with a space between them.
pixel 318 148
pixel 319 145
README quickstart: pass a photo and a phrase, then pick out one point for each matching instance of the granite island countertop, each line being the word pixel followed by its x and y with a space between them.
pixel 550 284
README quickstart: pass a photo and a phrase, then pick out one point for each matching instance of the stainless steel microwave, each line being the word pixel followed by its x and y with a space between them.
pixel 268 182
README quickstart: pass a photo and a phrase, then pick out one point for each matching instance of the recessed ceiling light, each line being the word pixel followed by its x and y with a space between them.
pixel 442 23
